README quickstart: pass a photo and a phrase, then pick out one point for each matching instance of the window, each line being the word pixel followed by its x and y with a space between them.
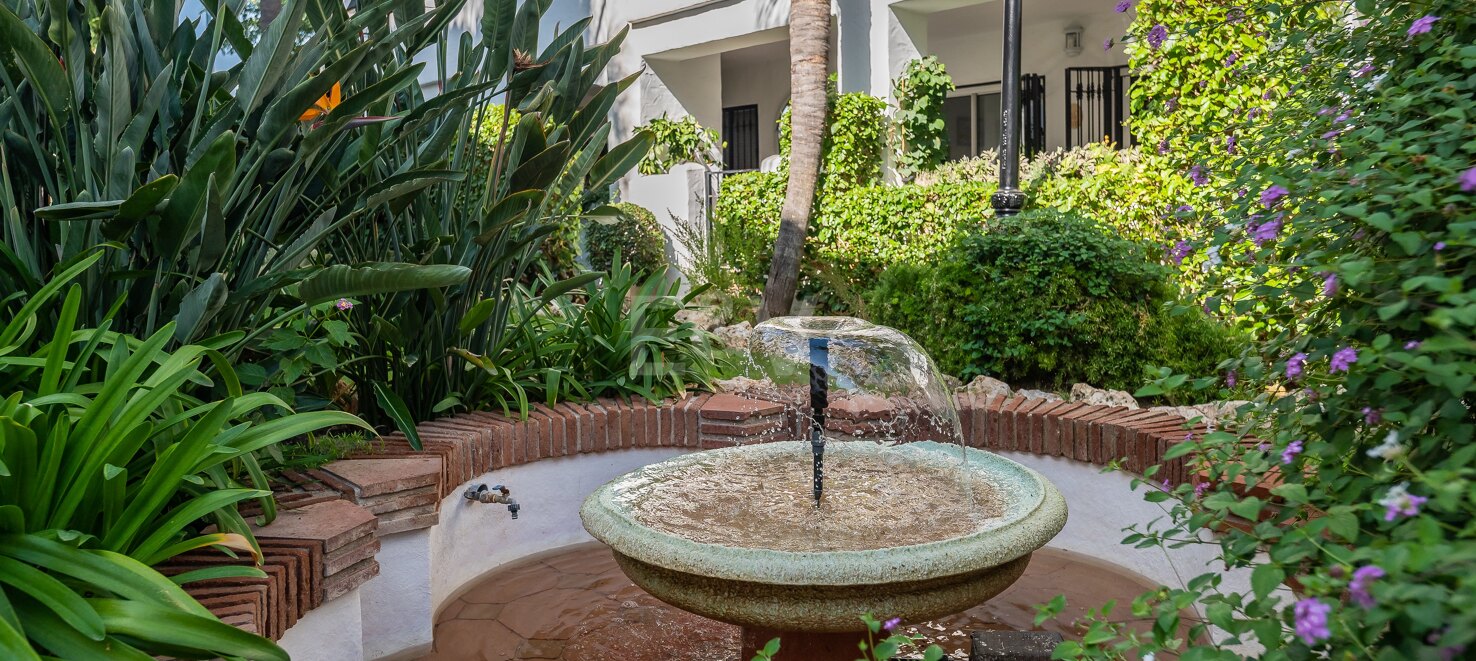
pixel 740 132
pixel 1097 105
pixel 972 119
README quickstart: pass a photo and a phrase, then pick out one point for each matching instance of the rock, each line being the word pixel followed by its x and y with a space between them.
pixel 952 382
pixel 988 386
pixel 702 317
pixel 735 336
pixel 1039 394
pixel 1082 392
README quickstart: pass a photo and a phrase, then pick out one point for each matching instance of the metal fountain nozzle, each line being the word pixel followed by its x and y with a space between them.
pixel 496 494
pixel 819 401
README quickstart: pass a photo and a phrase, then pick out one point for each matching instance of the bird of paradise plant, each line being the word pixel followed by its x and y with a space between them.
pixel 108 467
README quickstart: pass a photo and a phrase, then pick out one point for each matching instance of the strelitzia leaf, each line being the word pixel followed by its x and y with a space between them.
pixel 152 623
pixel 341 281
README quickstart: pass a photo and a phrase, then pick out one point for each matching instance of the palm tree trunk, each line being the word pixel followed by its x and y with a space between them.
pixel 809 58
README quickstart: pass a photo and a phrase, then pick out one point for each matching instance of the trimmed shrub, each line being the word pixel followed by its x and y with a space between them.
pixel 636 236
pixel 1047 299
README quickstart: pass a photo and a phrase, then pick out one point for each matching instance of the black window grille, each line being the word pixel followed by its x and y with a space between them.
pixel 1097 105
pixel 740 132
pixel 972 118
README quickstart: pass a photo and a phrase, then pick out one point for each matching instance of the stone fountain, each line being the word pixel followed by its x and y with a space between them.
pixel 881 509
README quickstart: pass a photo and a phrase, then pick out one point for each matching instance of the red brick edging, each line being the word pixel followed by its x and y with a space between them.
pixel 322 544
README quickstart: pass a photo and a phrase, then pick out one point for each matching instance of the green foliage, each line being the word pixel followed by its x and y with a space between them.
pixel 634 236
pixel 548 168
pixel 306 347
pixel 855 141
pixel 921 93
pixel 745 222
pixel 680 141
pixel 624 339
pixel 1364 386
pixel 212 193
pixel 108 466
pixel 1046 299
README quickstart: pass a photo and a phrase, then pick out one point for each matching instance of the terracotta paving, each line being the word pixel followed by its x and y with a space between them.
pixel 574 604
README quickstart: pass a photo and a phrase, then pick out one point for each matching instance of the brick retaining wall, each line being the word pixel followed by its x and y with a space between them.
pixel 323 542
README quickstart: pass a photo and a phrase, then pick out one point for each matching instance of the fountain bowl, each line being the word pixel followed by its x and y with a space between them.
pixel 826 591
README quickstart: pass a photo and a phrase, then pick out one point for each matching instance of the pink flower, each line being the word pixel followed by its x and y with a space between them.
pixel 1294 365
pixel 1358 586
pixel 1289 454
pixel 344 304
pixel 1468 181
pixel 1400 502
pixel 1422 25
pixel 1310 616
pixel 1372 416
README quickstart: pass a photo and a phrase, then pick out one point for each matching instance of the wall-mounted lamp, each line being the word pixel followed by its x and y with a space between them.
pixel 1073 40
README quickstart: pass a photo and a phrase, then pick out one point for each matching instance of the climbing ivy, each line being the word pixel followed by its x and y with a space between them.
pixel 680 141
pixel 855 141
pixel 920 94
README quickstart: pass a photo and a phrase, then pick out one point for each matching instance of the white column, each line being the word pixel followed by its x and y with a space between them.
pixel 898 36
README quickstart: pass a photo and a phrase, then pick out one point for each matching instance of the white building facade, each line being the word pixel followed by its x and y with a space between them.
pixel 726 63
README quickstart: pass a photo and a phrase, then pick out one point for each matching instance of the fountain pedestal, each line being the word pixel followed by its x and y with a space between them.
pixel 803 645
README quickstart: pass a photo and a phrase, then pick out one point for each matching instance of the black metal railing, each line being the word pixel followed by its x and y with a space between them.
pixel 714 181
pixel 1097 105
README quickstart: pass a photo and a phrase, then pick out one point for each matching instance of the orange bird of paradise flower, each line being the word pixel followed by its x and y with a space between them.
pixel 324 104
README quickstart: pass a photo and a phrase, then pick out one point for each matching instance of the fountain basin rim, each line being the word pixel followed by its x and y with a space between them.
pixel 1034 511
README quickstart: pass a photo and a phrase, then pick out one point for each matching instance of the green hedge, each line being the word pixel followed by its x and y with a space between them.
pixel 857 232
pixel 1047 299
pixel 636 236
pixel 854 233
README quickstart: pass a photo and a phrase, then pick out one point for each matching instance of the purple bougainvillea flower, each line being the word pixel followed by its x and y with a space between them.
pixel 1310 616
pixel 1181 250
pixel 1230 379
pixel 1107 45
pixel 1184 208
pixel 1358 586
pixel 1123 6
pixel 1157 36
pixel 1200 488
pixel 1261 233
pixel 1330 134
pixel 1272 194
pixel 1372 416
pixel 1343 116
pixel 1324 111
pixel 1343 359
pixel 1329 284
pixel 892 623
pixel 1289 454
pixel 1231 60
pixel 1363 70
pixel 1163 147
pixel 1468 181
pixel 1411 345
pixel 1197 175
pixel 1400 502
pixel 1294 366
pixel 1439 246
pixel 1422 25
pixel 1230 144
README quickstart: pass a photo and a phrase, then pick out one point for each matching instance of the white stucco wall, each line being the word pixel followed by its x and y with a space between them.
pixel 331 632
pixel 759 75
pixel 399 617
pixel 473 539
pixel 977 57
